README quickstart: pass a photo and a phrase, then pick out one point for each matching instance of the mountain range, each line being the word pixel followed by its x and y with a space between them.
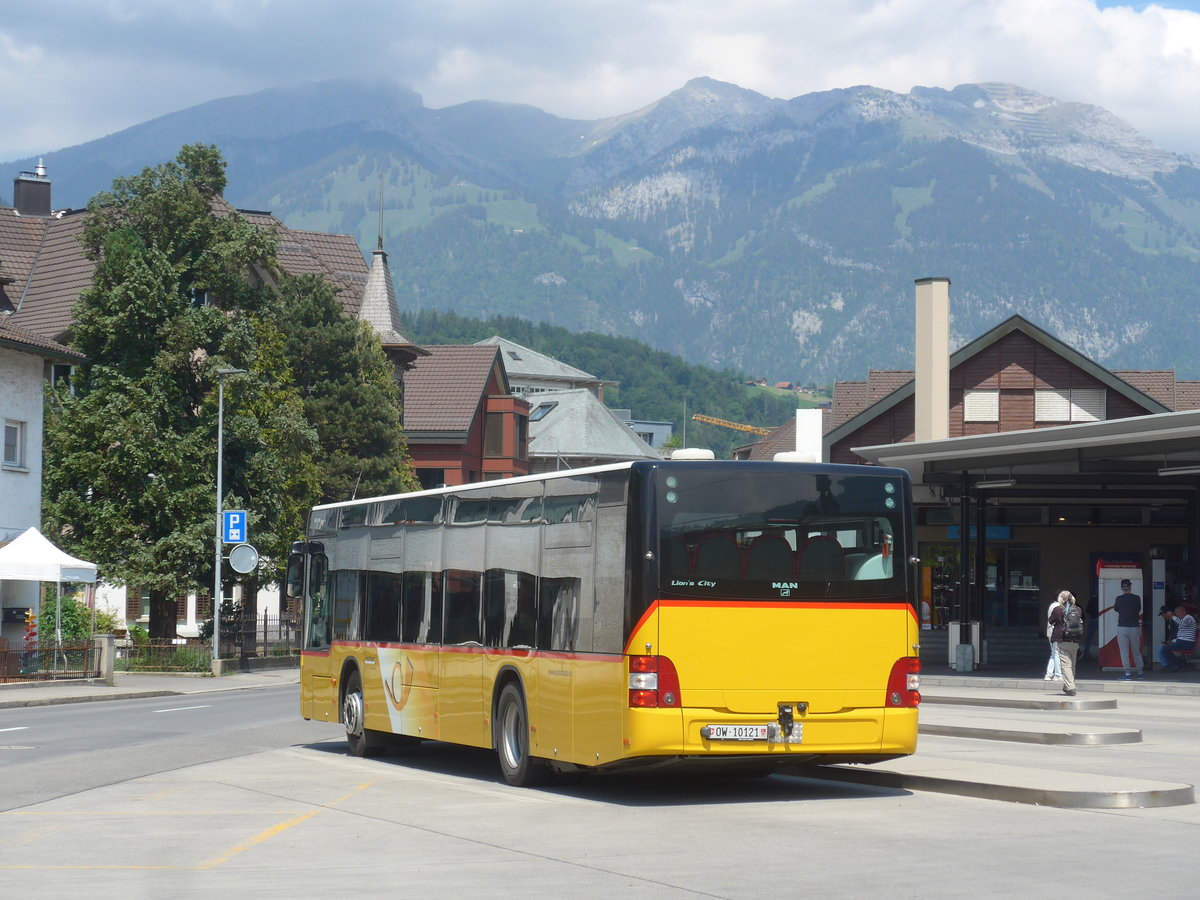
pixel 775 237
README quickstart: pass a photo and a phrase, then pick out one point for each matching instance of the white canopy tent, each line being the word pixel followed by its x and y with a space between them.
pixel 33 558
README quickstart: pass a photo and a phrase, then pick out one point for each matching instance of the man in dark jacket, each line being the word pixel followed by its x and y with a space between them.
pixel 1129 628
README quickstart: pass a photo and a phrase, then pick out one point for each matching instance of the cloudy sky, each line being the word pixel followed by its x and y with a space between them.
pixel 74 70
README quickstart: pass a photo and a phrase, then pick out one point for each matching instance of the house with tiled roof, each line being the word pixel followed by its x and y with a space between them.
pixel 42 256
pixel 462 421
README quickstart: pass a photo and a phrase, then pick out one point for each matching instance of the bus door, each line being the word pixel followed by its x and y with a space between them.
pixel 558 616
pixel 316 665
pixel 460 692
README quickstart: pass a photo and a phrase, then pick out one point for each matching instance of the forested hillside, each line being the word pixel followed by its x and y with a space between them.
pixel 651 384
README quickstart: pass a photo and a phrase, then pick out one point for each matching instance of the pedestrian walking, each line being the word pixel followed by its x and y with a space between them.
pixel 1053 666
pixel 1129 629
pixel 1067 619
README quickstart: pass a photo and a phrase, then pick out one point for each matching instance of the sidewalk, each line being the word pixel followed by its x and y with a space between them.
pixel 130 685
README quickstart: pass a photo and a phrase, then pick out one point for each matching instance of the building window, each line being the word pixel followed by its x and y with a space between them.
pixel 522 449
pixel 493 435
pixel 981 406
pixel 541 410
pixel 61 374
pixel 14 444
pixel 1080 405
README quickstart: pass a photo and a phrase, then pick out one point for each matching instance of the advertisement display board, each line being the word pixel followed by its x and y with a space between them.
pixel 1109 575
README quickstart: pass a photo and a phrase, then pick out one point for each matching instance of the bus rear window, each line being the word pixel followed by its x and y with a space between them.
pixel 780 535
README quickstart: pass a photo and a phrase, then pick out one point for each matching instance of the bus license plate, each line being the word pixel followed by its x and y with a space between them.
pixel 736 732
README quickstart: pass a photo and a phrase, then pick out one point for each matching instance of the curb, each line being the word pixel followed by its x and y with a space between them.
pixel 992 784
pixel 59 701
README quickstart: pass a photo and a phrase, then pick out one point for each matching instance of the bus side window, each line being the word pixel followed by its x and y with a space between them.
pixel 462 607
pixel 558 613
pixel 383 607
pixel 346 614
pixel 421 616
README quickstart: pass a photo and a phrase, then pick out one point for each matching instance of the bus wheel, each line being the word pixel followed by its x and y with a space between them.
pixel 360 740
pixel 511 737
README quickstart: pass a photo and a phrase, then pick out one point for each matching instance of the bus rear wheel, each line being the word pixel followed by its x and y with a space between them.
pixel 511 738
pixel 360 740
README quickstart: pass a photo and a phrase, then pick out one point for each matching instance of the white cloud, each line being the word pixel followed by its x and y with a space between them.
pixel 105 66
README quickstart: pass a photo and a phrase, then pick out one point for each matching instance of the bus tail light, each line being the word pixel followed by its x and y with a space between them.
pixel 653 682
pixel 904 684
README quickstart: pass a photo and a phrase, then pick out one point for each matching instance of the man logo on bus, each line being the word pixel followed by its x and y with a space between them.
pixel 785 585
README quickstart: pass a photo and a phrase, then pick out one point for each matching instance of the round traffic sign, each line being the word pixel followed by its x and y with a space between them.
pixel 243 558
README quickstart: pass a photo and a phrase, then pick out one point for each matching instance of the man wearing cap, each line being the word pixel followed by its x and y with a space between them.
pixel 1129 632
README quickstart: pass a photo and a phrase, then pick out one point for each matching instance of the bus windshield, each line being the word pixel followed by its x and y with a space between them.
pixel 780 535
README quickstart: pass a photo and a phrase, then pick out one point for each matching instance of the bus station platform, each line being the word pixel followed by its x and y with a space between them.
pixel 1116 744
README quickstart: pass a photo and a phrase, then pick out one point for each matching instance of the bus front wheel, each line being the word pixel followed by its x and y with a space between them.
pixel 360 740
pixel 511 737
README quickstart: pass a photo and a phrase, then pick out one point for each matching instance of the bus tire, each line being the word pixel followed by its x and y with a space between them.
pixel 360 740
pixel 511 739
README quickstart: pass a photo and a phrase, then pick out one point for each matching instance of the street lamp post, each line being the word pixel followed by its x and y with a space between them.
pixel 216 634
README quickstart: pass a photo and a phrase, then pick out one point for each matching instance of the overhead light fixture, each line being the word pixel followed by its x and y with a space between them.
pixel 998 483
pixel 1179 470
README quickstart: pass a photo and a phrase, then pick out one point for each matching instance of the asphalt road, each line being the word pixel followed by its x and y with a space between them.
pixel 232 794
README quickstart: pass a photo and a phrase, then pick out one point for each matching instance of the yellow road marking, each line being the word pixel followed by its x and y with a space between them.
pixel 276 829
pixel 212 863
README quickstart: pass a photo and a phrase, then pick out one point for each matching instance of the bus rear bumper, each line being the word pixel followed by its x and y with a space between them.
pixel 686 733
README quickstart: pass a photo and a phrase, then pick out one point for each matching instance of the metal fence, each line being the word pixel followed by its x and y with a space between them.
pixel 260 636
pixel 47 662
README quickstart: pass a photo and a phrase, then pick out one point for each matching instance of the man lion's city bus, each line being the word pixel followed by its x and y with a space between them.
pixel 759 615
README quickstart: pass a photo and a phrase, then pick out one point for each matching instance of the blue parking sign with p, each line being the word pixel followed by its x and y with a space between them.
pixel 234 526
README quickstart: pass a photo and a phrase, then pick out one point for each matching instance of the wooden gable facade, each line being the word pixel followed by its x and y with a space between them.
pixel 1015 377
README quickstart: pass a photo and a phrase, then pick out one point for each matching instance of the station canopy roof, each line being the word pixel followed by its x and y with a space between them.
pixel 1154 456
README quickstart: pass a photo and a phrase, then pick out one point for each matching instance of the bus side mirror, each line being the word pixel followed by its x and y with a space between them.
pixel 294 582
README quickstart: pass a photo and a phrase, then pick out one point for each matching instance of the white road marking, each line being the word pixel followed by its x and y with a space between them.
pixel 182 708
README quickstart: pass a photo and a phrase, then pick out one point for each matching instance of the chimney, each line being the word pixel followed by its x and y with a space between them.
pixel 31 193
pixel 933 359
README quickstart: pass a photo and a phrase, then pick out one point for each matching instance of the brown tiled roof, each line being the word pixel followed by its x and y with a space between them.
pixel 1187 395
pixel 849 399
pixel 339 258
pixel 1156 384
pixel 48 268
pixel 20 339
pixel 443 391
pixel 883 382
pixel 779 440
pixel 46 260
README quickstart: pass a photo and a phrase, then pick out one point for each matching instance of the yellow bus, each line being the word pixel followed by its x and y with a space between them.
pixel 750 614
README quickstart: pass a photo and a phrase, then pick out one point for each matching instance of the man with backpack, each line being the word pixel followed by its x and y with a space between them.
pixel 1066 619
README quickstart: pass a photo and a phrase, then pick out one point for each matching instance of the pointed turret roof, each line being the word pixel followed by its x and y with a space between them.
pixel 379 308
